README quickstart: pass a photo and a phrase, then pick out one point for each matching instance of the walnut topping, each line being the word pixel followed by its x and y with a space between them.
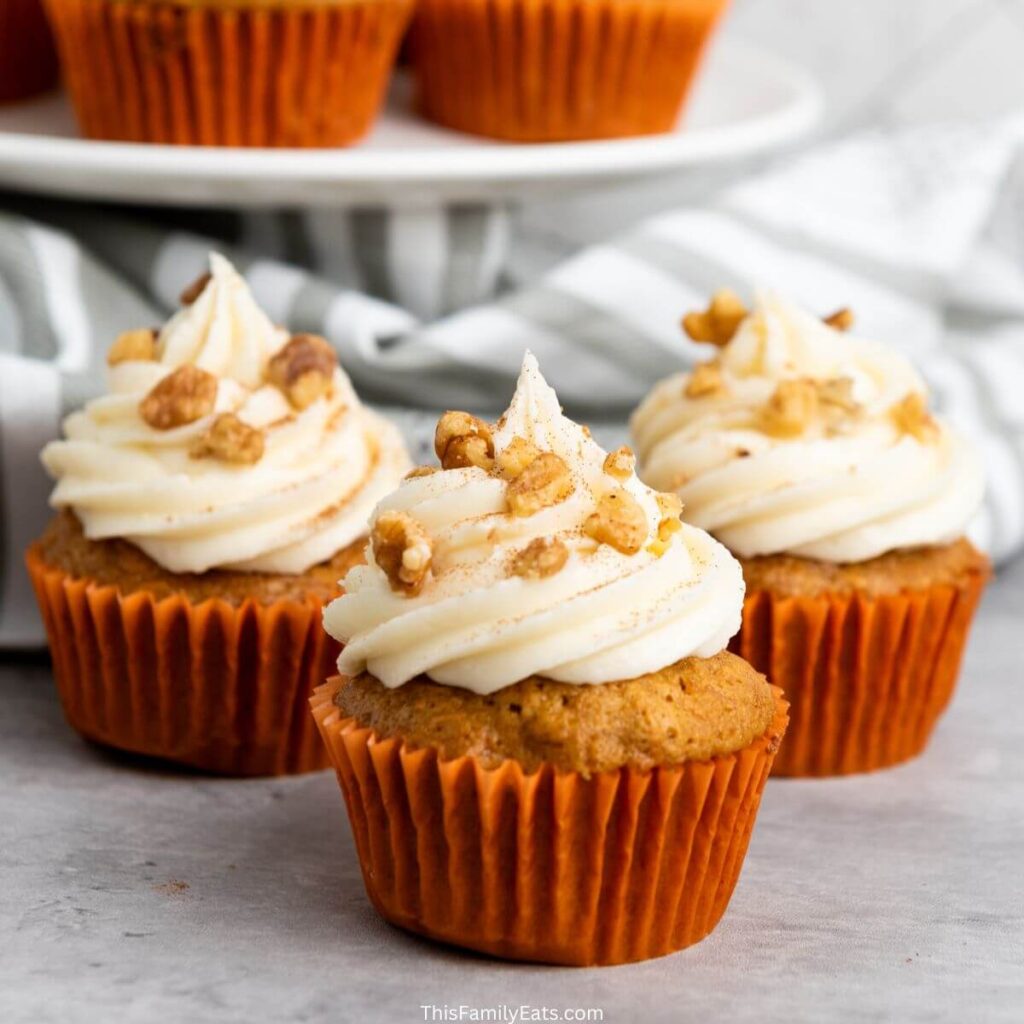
pixel 230 440
pixel 195 289
pixel 670 505
pixel 418 471
pixel 790 409
pixel 669 526
pixel 462 440
pixel 840 320
pixel 303 369
pixel 620 463
pixel 619 522
pixel 705 380
pixel 515 457
pixel 838 392
pixel 666 528
pixel 911 416
pixel 182 397
pixel 545 481
pixel 402 548
pixel 540 558
pixel 139 344
pixel 719 322
pixel 468 451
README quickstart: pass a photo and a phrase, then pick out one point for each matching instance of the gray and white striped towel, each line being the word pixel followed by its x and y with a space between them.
pixel 922 233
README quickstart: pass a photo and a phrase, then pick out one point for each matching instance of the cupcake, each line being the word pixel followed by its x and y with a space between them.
pixel 294 73
pixel 207 507
pixel 28 61
pixel 813 456
pixel 545 752
pixel 559 69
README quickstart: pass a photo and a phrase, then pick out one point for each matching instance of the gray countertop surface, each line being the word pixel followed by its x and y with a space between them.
pixel 135 894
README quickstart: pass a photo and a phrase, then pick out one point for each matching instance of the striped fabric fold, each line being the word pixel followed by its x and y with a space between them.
pixel 910 230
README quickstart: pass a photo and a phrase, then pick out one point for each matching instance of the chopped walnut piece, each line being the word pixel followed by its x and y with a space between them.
pixel 840 320
pixel 790 409
pixel 195 289
pixel 540 558
pixel 183 396
pixel 619 521
pixel 418 471
pixel 403 549
pixel 705 380
pixel 838 392
pixel 669 504
pixel 139 344
pixel 669 526
pixel 620 463
pixel 545 481
pixel 911 416
pixel 230 440
pixel 719 322
pixel 666 528
pixel 515 457
pixel 468 451
pixel 462 440
pixel 303 369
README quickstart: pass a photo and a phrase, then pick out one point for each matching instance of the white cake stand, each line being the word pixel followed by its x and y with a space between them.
pixel 745 102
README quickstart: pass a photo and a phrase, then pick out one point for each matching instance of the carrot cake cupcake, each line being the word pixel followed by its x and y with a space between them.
pixel 558 70
pixel 296 73
pixel 813 456
pixel 545 750
pixel 207 507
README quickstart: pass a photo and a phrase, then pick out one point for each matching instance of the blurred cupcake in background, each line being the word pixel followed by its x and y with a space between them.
pixel 558 69
pixel 298 73
pixel 545 750
pixel 812 455
pixel 207 507
pixel 28 61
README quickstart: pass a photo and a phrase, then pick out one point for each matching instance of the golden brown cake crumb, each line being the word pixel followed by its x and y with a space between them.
pixel 895 571
pixel 119 563
pixel 693 710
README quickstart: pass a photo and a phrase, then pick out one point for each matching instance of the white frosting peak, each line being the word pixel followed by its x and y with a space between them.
pixel 604 615
pixel 849 486
pixel 223 331
pixel 323 468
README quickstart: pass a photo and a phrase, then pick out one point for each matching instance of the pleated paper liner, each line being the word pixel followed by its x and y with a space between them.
pixel 28 60
pixel 553 867
pixel 197 73
pixel 867 678
pixel 550 70
pixel 218 687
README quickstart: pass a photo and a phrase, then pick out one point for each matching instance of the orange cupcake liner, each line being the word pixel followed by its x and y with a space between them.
pixel 551 70
pixel 287 74
pixel 867 677
pixel 28 60
pixel 221 688
pixel 552 866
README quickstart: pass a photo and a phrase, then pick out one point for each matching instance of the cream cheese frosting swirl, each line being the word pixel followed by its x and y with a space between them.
pixel 482 622
pixel 322 468
pixel 854 468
